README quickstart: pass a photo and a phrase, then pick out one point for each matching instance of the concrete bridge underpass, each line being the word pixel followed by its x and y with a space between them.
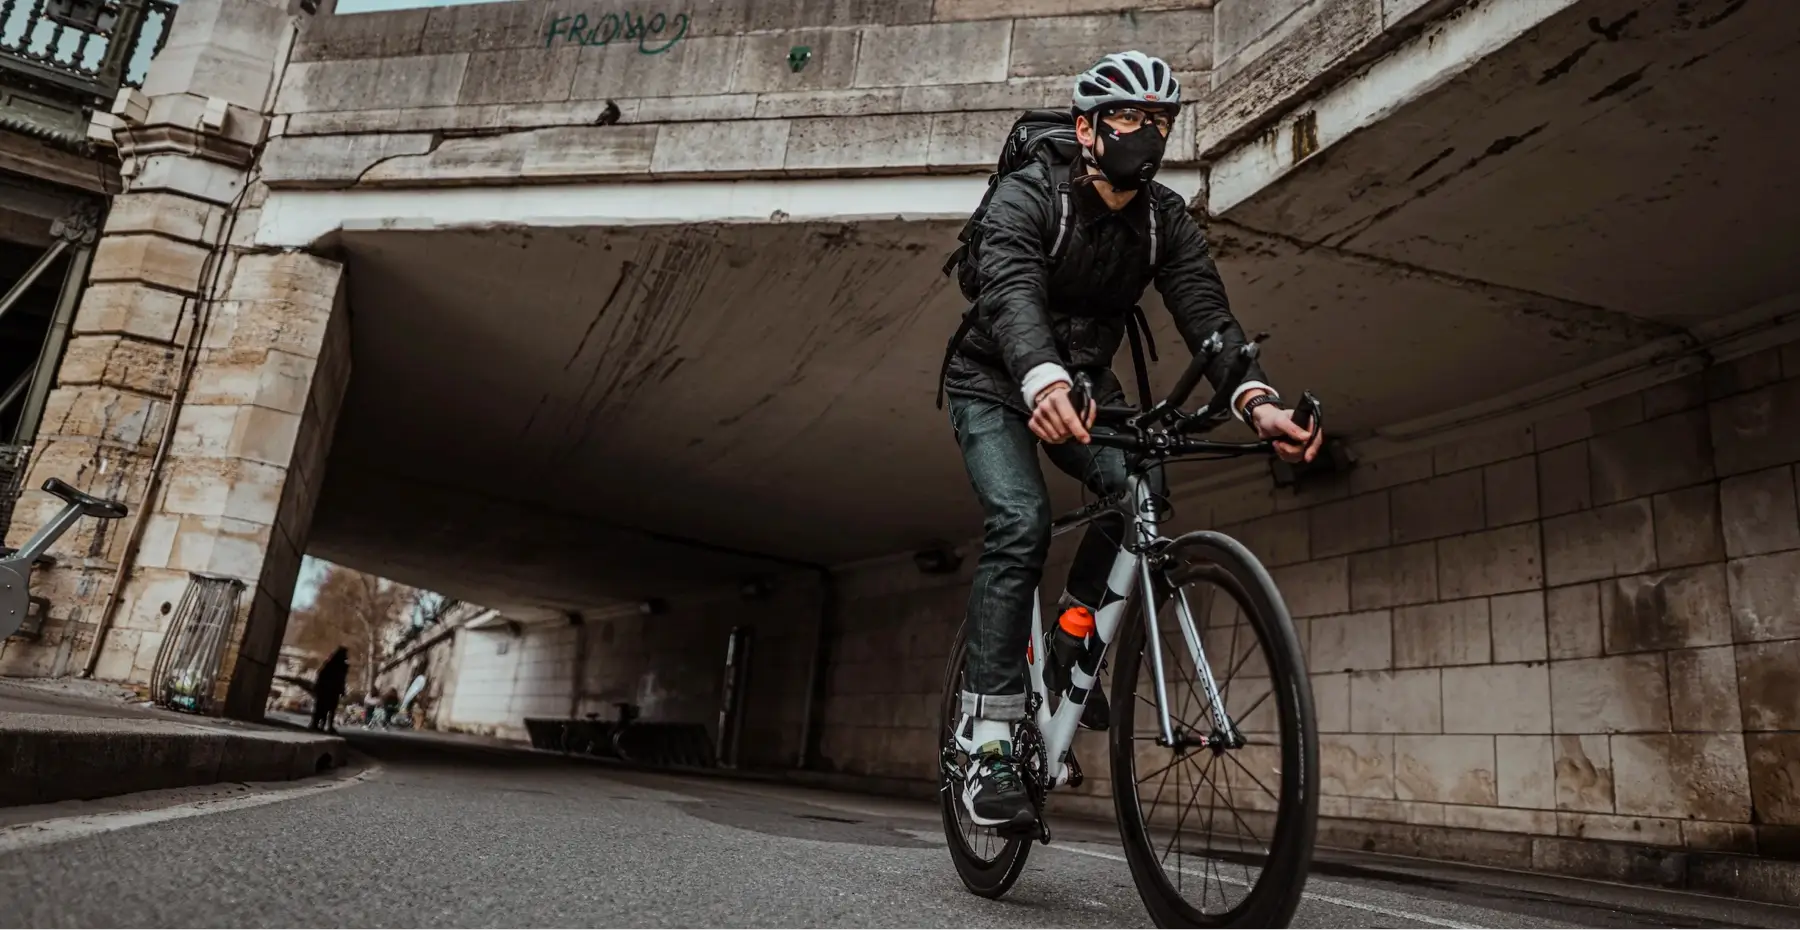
pixel 557 327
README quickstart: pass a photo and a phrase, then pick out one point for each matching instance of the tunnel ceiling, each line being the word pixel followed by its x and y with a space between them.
pixel 520 396
pixel 525 402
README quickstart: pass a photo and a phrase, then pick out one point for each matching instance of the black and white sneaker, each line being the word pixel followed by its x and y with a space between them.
pixel 994 793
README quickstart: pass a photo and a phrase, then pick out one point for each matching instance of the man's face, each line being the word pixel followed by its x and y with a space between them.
pixel 1124 120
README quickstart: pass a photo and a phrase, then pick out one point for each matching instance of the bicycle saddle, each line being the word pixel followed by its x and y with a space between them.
pixel 89 504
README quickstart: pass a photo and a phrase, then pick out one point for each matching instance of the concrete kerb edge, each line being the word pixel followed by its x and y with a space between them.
pixel 48 766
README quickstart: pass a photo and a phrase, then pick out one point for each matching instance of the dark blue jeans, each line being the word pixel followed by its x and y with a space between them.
pixel 1000 452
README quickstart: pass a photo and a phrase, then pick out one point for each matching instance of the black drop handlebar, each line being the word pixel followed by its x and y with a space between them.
pixel 1164 431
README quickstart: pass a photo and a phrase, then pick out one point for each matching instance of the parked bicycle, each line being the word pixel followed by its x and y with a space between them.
pixel 16 564
pixel 1175 718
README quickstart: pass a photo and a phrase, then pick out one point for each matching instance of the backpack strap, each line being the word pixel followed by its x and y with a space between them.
pixel 1064 219
pixel 1155 240
pixel 1137 354
pixel 962 330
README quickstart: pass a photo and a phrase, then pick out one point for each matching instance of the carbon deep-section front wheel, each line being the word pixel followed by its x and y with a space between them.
pixel 987 862
pixel 1218 828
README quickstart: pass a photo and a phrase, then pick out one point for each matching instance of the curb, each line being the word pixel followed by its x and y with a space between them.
pixel 46 758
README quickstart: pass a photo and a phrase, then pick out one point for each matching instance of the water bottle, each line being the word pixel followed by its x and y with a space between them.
pixel 1068 640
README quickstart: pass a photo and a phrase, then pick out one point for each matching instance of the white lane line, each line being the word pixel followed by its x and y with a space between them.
pixel 62 829
pixel 1328 899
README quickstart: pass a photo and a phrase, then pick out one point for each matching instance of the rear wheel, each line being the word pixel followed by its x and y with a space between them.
pixel 1218 829
pixel 987 862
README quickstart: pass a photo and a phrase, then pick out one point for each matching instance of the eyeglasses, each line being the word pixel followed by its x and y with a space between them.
pixel 1131 119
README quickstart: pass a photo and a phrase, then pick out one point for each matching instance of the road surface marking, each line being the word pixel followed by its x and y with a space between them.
pixel 1328 899
pixel 61 829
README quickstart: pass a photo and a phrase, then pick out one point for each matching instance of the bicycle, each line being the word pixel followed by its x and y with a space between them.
pixel 16 564
pixel 1281 742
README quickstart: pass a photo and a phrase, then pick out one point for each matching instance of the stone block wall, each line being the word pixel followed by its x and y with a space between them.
pixel 1581 629
pixel 1566 629
pixel 706 88
pixel 247 351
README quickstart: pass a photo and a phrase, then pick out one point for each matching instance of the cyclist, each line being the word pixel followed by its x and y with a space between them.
pixel 1009 382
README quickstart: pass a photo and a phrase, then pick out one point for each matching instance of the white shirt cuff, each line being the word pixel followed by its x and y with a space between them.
pixel 1238 411
pixel 1041 377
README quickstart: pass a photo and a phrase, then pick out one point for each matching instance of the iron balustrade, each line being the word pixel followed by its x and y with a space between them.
pixel 92 47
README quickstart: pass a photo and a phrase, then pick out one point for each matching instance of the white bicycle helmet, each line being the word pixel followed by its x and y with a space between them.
pixel 1125 79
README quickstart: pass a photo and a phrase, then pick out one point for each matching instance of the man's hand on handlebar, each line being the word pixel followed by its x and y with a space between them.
pixel 1293 442
pixel 1054 420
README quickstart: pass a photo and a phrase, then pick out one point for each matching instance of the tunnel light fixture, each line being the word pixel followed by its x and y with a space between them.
pixel 653 607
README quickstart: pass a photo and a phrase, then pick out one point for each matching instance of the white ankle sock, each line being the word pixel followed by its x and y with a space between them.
pixel 987 731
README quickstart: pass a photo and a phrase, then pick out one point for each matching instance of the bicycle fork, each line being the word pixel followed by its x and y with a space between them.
pixel 1147 531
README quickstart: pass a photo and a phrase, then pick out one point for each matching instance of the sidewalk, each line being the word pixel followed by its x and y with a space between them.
pixel 76 740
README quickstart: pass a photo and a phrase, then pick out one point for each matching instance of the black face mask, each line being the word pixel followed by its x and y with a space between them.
pixel 1131 158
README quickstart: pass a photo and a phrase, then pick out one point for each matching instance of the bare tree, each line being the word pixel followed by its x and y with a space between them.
pixel 355 610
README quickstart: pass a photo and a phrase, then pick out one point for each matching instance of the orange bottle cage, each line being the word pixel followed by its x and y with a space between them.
pixel 1077 621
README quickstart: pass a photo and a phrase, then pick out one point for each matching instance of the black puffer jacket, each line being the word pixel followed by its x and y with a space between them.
pixel 1075 313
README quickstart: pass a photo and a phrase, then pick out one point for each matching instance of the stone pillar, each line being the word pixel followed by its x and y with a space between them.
pixel 248 352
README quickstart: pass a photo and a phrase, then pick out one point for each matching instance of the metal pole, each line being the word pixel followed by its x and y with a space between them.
pixel 43 376
pixel 815 672
pixel 579 672
pixel 12 393
pixel 36 271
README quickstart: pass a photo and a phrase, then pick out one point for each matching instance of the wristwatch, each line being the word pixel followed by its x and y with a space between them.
pixel 1259 400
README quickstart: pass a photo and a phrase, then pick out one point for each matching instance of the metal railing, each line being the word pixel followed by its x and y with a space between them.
pixel 91 46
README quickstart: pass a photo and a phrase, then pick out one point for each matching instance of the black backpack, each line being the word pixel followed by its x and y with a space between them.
pixel 1047 136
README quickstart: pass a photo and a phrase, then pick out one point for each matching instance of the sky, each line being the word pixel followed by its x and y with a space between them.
pixel 306 589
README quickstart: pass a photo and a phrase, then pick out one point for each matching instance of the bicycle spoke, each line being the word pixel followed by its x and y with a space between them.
pixel 1252 776
pixel 1159 790
pixel 1173 718
pixel 1212 824
pixel 1178 761
pixel 1240 718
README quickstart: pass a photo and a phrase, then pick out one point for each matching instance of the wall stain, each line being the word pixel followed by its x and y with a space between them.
pixel 1611 31
pixel 1433 162
pixel 1499 146
pixel 1305 138
pixel 1618 86
pixel 1562 67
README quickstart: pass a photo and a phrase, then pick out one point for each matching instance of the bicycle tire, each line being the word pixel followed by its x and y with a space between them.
pixel 1276 891
pixel 987 877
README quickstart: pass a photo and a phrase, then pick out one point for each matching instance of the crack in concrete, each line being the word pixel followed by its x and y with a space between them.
pixel 437 139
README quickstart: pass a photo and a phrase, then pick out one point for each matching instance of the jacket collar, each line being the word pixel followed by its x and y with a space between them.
pixel 1089 208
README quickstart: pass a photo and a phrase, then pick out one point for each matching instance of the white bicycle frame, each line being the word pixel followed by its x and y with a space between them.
pixel 1130 569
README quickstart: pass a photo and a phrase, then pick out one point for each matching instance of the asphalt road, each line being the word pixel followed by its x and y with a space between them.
pixel 455 835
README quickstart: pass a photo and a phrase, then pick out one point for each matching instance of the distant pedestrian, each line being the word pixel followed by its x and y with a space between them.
pixel 334 677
